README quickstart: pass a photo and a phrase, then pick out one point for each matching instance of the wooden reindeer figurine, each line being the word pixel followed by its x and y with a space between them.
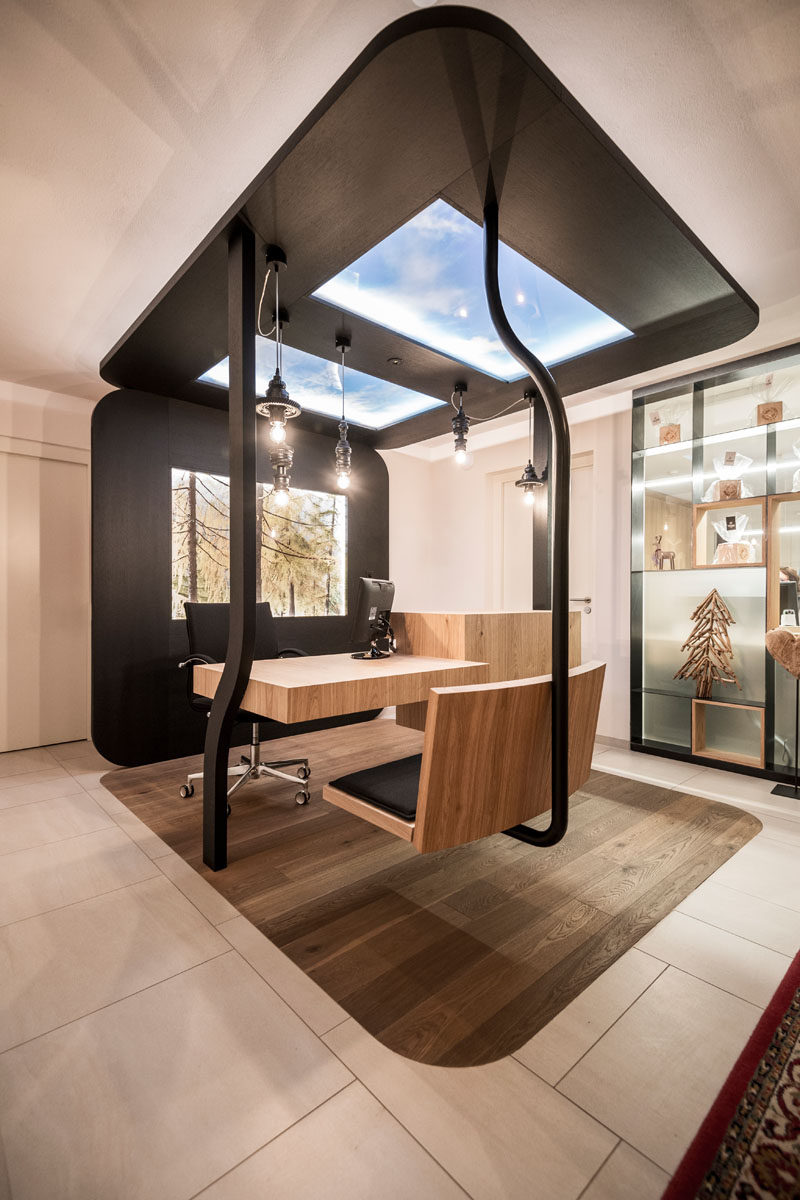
pixel 661 556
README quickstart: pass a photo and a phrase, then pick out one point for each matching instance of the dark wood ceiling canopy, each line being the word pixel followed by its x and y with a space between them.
pixel 433 103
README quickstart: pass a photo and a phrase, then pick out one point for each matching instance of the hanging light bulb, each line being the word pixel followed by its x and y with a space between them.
pixel 529 481
pixel 343 452
pixel 281 459
pixel 460 423
pixel 277 406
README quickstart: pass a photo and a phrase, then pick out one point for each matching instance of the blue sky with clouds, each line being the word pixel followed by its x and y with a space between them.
pixel 315 384
pixel 425 281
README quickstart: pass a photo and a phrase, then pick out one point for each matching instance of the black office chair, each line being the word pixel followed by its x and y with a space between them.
pixel 207 630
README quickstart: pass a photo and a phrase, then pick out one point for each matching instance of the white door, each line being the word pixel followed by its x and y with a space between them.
pixel 516 583
pixel 513 565
pixel 44 600
pixel 582 549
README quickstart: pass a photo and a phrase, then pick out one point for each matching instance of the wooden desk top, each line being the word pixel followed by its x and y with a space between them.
pixel 329 685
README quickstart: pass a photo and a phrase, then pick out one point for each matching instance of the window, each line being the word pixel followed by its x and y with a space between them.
pixel 315 383
pixel 425 281
pixel 302 567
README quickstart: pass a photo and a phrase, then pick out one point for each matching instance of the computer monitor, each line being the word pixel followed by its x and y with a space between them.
pixel 789 598
pixel 371 617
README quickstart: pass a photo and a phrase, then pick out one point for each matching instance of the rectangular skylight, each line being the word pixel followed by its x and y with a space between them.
pixel 315 383
pixel 425 281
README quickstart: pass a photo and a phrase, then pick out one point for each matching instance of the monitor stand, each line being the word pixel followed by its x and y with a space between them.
pixel 374 653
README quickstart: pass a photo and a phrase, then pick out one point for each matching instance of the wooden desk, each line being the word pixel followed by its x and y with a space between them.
pixel 329 685
pixel 515 645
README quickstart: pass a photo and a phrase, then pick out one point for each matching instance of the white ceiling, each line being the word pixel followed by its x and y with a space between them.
pixel 129 126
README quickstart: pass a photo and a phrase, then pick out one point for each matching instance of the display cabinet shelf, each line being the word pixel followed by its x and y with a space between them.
pixel 735 730
pixel 729 533
pixel 735 701
pixel 730 435
pixel 716 510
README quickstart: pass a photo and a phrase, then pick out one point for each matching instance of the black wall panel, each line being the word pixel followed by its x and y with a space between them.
pixel 139 708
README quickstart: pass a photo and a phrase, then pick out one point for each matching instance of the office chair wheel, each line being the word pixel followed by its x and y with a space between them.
pixel 187 790
pixel 304 773
pixel 301 798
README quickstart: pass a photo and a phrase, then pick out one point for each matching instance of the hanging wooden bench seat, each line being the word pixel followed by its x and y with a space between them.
pixel 485 762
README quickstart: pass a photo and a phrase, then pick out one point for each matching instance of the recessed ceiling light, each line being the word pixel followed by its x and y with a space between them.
pixel 394 361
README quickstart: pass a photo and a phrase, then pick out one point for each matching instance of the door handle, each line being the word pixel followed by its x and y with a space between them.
pixel 586 601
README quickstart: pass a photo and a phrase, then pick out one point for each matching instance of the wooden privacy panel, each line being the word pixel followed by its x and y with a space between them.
pixel 515 645
pixel 486 761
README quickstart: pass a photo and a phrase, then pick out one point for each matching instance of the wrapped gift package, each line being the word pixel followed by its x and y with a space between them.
pixel 668 423
pixel 730 467
pixel 733 554
pixel 735 549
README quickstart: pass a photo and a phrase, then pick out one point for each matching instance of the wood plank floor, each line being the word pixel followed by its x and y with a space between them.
pixel 455 958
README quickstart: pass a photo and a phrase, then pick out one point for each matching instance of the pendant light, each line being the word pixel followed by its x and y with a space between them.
pixel 460 423
pixel 529 481
pixel 278 407
pixel 343 452
pixel 281 460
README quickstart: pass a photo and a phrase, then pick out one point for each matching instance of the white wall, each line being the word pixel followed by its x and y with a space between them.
pixel 44 566
pixel 442 531
pixel 609 439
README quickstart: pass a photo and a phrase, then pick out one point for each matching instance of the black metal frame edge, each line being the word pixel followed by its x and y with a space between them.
pixel 242 629
pixel 714 764
pixel 558 478
pixel 460 17
pixel 698 381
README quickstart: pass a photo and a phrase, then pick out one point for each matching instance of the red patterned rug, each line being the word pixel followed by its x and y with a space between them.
pixel 748 1147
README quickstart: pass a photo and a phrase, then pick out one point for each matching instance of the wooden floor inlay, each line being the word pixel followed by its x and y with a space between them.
pixel 455 958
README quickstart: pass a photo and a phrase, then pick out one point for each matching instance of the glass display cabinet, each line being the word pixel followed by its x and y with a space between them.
pixel 716 509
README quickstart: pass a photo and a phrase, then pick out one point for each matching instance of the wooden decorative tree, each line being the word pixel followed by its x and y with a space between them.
pixel 709 647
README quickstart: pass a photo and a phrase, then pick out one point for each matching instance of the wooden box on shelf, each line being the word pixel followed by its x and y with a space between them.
pixel 700 747
pixel 669 435
pixel 769 413
pixel 749 552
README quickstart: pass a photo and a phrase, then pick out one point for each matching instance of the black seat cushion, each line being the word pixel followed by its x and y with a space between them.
pixel 392 786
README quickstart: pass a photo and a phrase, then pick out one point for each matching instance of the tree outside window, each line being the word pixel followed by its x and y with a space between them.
pixel 301 569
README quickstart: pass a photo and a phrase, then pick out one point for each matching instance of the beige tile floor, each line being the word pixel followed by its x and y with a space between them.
pixel 153 1043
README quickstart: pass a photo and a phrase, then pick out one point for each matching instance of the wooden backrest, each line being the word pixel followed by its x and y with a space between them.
pixel 486 757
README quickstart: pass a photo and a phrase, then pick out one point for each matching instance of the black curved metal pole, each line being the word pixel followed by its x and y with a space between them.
pixel 558 476
pixel 242 628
